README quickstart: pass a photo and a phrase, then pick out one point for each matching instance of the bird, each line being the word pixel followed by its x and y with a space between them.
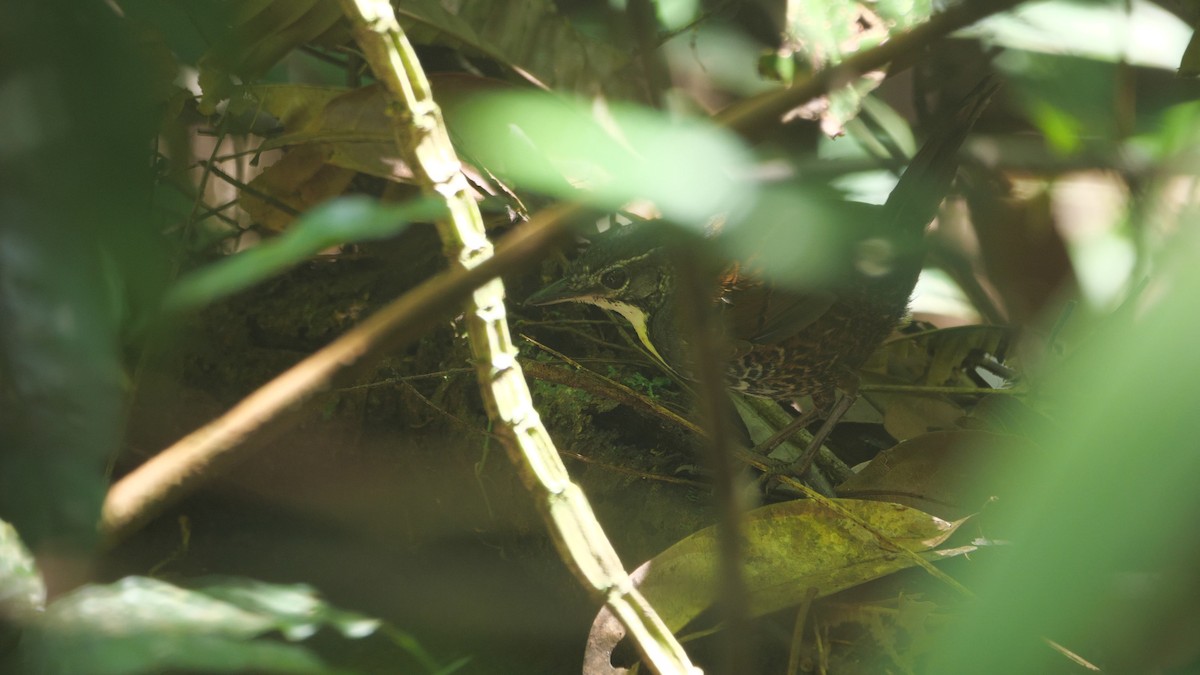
pixel 785 342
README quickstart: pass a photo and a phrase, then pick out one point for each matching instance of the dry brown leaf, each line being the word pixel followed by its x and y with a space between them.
pixel 945 472
pixel 939 357
pixel 908 416
pixel 300 180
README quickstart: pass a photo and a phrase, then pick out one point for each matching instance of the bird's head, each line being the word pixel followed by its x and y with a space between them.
pixel 628 272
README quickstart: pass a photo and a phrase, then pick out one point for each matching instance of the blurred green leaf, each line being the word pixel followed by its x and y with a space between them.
pixel 1177 133
pixel 142 625
pixel 1070 99
pixel 797 235
pixel 341 221
pixel 79 258
pixel 1111 501
pixel 688 168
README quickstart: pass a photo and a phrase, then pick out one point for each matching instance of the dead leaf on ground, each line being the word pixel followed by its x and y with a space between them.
pixel 942 357
pixel 908 416
pixel 944 473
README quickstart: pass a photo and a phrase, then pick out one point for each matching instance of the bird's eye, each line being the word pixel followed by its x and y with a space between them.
pixel 615 279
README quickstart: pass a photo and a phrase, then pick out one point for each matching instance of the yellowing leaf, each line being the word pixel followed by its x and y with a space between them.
pixel 791 548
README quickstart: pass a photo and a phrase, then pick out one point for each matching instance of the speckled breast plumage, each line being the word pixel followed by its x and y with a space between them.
pixel 824 355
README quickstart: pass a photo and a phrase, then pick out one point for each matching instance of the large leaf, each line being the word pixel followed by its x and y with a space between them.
pixel 792 552
pixel 78 257
pixel 1104 517
pixel 790 548
pixel 1062 60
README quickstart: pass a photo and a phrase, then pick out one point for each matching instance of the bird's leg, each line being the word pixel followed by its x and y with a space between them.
pixel 779 437
pixel 805 459
pixel 848 386
pixel 823 400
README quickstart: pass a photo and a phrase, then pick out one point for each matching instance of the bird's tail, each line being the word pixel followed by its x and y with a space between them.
pixel 914 201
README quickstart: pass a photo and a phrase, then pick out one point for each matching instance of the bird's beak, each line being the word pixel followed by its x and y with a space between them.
pixel 556 292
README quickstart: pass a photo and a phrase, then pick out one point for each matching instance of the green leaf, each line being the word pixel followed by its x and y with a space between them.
pixel 142 625
pixel 687 168
pixel 1110 504
pixel 1069 98
pixel 341 221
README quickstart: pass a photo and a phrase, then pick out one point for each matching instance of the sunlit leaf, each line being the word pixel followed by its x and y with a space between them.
pixel 689 169
pixel 347 220
pixel 22 592
pixel 1137 32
